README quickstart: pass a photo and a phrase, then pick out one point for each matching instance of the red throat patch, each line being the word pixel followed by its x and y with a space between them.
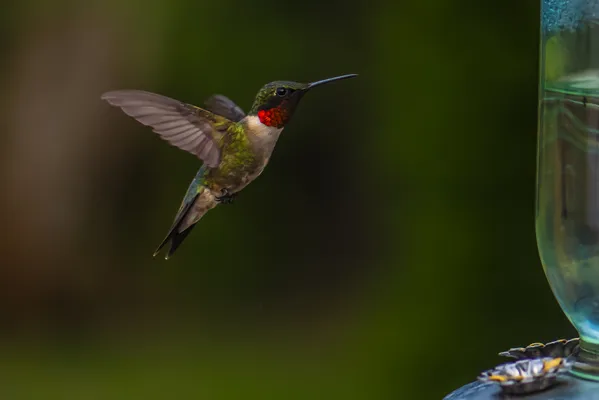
pixel 275 117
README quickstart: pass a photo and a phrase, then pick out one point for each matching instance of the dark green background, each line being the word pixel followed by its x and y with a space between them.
pixel 387 252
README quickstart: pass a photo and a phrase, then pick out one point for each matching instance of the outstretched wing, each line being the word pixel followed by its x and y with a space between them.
pixel 185 126
pixel 224 106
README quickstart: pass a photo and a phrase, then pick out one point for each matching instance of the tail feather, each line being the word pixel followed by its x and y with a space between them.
pixel 182 225
pixel 176 240
pixel 174 235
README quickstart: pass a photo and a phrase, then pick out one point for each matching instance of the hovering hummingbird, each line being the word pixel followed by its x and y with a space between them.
pixel 234 147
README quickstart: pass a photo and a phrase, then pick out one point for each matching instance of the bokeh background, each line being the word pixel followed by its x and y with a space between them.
pixel 387 252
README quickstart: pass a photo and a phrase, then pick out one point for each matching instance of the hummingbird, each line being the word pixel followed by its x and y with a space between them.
pixel 234 147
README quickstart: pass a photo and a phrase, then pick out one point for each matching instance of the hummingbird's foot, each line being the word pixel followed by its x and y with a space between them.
pixel 226 197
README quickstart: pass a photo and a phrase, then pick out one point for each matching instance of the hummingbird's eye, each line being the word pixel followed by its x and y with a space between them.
pixel 281 91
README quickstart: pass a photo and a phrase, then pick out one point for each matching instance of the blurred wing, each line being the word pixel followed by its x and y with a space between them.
pixel 185 126
pixel 224 106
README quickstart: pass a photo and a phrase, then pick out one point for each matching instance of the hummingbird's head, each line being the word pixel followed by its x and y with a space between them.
pixel 276 101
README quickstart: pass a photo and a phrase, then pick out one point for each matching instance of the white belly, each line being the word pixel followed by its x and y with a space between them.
pixel 263 138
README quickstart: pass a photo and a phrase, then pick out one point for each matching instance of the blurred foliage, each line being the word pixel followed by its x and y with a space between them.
pixel 388 251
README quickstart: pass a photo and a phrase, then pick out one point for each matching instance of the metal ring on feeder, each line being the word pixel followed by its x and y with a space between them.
pixel 526 376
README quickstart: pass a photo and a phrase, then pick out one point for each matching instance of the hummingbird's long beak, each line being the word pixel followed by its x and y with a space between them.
pixel 337 78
